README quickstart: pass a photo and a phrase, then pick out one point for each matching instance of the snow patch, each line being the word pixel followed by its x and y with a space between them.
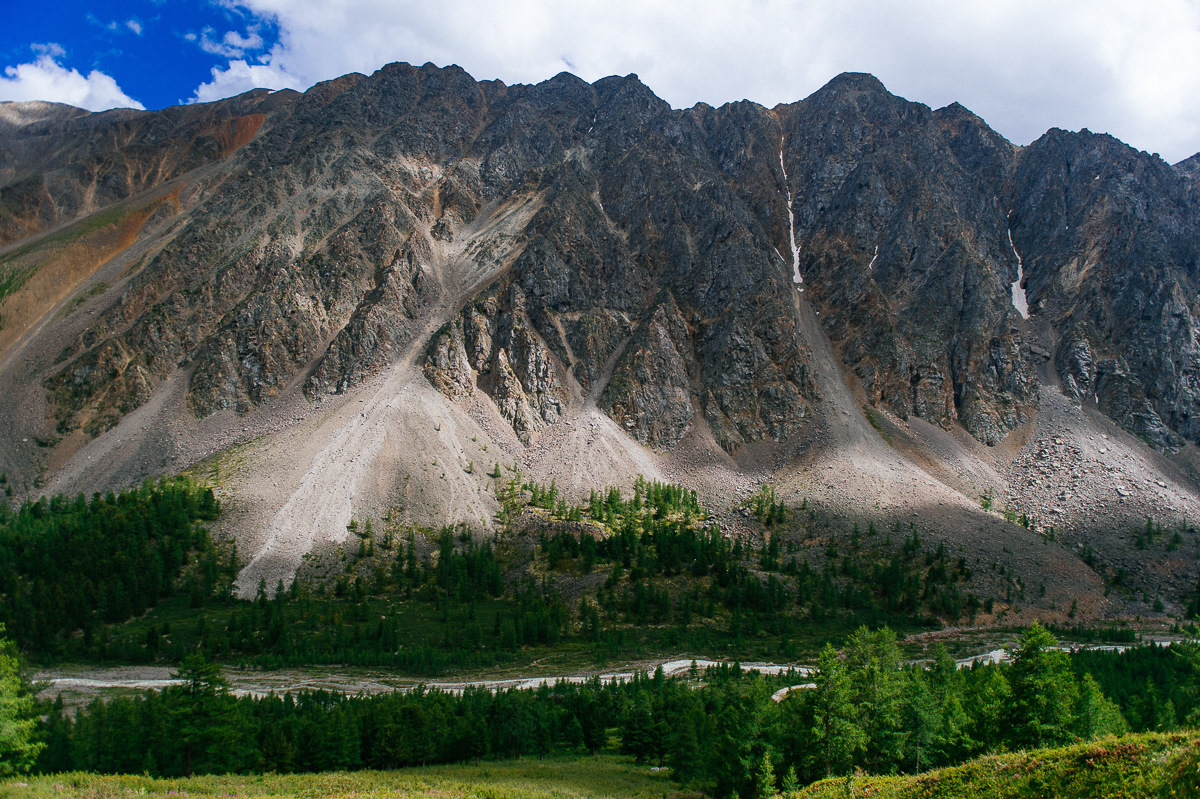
pixel 1019 300
pixel 796 278
pixel 873 257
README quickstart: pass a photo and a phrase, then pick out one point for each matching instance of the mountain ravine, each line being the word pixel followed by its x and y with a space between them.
pixel 369 296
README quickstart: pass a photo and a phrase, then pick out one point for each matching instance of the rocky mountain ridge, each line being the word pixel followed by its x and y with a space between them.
pixel 595 285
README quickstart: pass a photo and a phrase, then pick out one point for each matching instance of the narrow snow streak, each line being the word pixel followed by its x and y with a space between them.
pixel 1019 301
pixel 873 257
pixel 796 278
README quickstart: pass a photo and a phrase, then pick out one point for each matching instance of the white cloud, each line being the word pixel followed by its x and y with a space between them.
pixel 111 25
pixel 1023 65
pixel 231 45
pixel 132 24
pixel 51 49
pixel 240 76
pixel 46 79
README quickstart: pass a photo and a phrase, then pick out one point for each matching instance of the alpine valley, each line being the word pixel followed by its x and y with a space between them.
pixel 381 298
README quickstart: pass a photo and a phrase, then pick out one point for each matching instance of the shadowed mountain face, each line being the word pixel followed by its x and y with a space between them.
pixel 542 249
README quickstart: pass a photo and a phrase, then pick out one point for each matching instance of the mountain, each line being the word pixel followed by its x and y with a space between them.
pixel 366 297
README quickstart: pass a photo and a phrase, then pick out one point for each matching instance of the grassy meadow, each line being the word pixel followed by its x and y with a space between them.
pixel 560 778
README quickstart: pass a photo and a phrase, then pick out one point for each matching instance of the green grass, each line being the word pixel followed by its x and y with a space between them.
pixel 1153 765
pixel 1148 766
pixel 13 278
pixel 13 275
pixel 98 220
pixel 877 422
pixel 81 298
pixel 562 778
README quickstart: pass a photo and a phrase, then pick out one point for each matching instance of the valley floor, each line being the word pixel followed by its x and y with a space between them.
pixel 79 684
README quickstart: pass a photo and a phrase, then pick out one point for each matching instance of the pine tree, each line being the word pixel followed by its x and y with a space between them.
pixel 873 666
pixel 1095 714
pixel 791 785
pixel 1039 712
pixel 765 778
pixel 836 735
pixel 204 715
pixel 19 744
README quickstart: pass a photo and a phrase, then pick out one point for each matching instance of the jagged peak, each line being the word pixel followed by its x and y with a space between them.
pixel 854 82
pixel 565 78
pixel 426 69
pixel 957 110
pixel 629 87
pixel 1084 139
pixel 613 82
pixel 1190 166
pixel 960 119
pixel 563 85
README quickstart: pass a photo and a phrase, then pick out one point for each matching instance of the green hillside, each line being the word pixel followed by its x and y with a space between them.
pixel 1132 766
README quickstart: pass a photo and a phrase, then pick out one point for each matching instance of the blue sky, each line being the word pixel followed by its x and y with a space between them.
pixel 157 52
pixel 1127 68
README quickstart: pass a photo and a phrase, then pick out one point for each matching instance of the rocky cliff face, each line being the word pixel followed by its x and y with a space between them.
pixel 1114 252
pixel 591 244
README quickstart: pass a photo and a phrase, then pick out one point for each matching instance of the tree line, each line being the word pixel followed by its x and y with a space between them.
pixel 74 565
pixel 719 729
pixel 424 601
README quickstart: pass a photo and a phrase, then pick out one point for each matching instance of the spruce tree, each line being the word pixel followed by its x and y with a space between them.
pixel 922 720
pixel 204 715
pixel 1039 712
pixel 873 665
pixel 835 734
pixel 986 699
pixel 946 682
pixel 685 758
pixel 791 785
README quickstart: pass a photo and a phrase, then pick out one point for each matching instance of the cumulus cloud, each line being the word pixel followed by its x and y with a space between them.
pixel 134 26
pixel 1023 65
pixel 240 76
pixel 47 79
